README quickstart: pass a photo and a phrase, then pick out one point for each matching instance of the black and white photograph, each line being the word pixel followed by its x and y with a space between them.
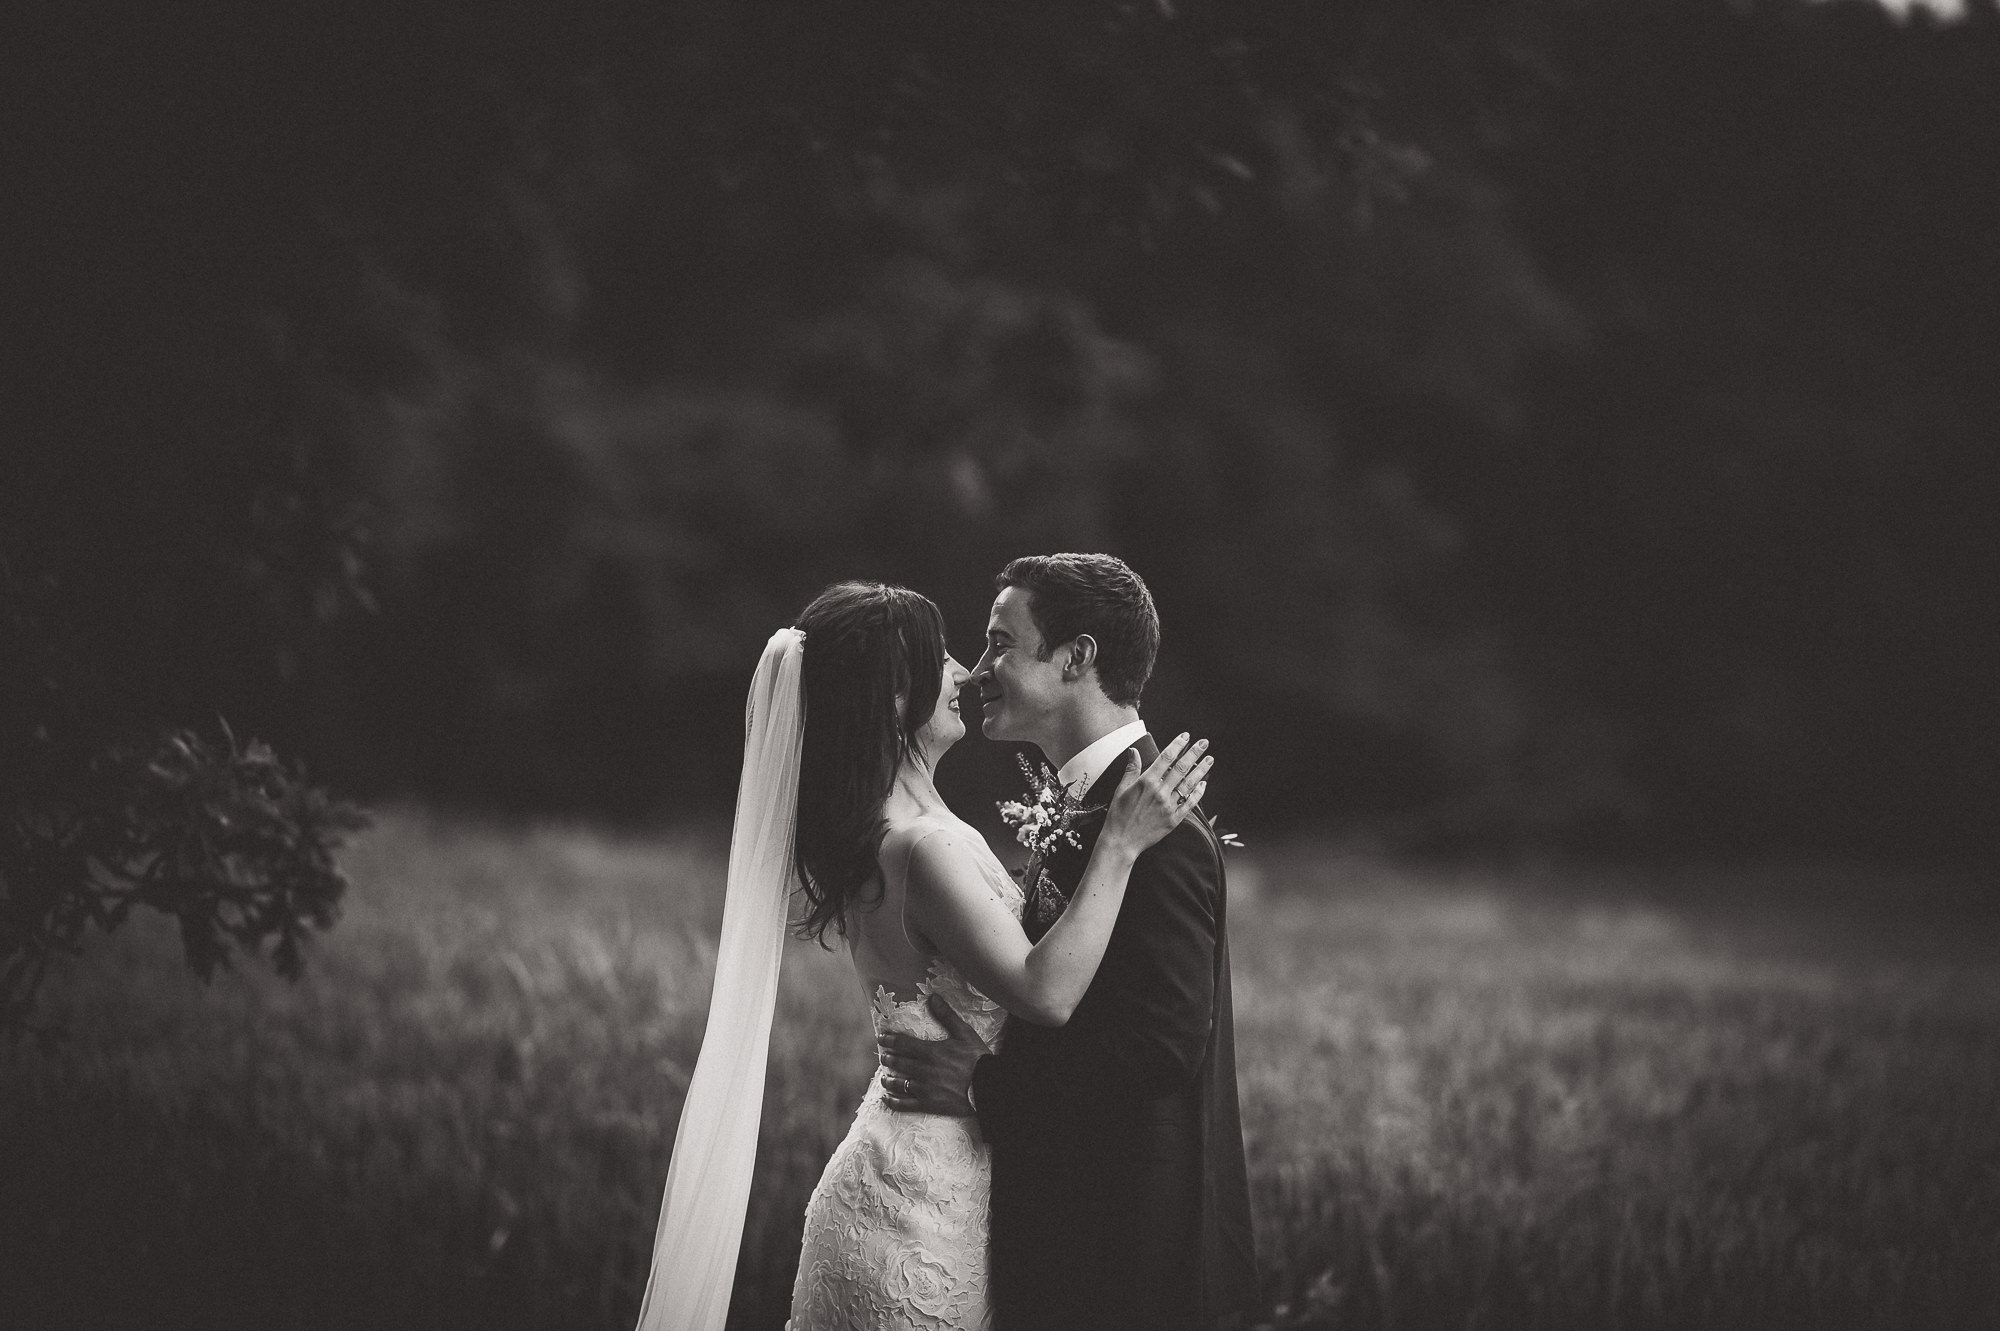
pixel 1000 665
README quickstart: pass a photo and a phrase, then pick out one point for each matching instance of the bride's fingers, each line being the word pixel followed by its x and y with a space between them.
pixel 1175 759
pixel 1184 766
pixel 1168 756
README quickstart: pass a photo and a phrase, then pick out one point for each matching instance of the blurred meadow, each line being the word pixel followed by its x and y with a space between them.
pixel 1512 1097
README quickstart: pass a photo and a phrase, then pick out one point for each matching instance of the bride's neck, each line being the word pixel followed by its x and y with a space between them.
pixel 913 794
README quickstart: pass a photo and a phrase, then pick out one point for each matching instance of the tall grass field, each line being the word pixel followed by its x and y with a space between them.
pixel 1471 1099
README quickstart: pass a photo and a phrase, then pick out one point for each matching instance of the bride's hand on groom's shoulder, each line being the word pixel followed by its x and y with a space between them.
pixel 922 1076
pixel 1150 804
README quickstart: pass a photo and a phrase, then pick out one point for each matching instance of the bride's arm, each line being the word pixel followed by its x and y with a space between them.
pixel 950 906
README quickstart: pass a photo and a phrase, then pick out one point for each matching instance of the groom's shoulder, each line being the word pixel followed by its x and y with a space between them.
pixel 1190 848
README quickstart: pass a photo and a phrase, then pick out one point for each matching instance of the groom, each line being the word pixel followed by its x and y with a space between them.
pixel 1119 1194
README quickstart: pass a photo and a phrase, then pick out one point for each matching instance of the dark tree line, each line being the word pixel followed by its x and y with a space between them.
pixel 1561 421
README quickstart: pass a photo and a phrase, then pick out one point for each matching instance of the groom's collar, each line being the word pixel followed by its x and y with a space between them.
pixel 1081 773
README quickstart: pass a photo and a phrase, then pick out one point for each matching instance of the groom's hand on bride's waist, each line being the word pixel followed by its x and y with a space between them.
pixel 922 1076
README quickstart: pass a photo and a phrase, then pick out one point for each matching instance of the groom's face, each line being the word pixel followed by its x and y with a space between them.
pixel 1019 692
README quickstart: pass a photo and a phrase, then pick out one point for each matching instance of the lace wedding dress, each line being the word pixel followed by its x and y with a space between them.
pixel 896 1231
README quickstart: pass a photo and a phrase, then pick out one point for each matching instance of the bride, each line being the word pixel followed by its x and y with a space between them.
pixel 847 717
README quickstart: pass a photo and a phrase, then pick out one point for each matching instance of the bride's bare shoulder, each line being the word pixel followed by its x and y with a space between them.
pixel 903 835
pixel 950 854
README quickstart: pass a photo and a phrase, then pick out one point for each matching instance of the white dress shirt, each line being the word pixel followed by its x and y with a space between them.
pixel 1080 773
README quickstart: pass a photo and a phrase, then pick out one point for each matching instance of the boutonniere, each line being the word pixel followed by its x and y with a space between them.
pixel 1042 821
pixel 1229 839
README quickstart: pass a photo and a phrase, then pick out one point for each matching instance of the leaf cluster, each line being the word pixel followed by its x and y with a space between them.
pixel 229 839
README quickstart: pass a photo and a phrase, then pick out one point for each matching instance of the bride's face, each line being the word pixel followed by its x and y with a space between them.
pixel 945 727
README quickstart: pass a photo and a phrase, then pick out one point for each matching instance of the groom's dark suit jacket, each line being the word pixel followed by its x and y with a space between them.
pixel 1119 1193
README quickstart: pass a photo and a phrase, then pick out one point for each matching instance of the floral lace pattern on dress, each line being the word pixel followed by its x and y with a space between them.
pixel 896 1231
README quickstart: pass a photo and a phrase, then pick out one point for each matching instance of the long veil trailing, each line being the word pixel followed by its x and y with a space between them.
pixel 708 1176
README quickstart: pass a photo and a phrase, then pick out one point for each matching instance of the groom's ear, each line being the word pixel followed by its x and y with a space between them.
pixel 1079 655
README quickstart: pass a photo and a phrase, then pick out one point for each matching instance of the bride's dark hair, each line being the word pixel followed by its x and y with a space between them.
pixel 866 644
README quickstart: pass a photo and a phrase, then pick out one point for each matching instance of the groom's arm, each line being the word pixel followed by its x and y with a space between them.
pixel 1142 1028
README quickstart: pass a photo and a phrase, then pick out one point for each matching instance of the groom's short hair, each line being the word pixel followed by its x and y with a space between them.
pixel 1096 594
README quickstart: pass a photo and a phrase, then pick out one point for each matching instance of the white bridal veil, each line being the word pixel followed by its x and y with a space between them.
pixel 708 1177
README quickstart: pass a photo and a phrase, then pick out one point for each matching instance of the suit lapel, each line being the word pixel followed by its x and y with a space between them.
pixel 1098 797
pixel 1066 864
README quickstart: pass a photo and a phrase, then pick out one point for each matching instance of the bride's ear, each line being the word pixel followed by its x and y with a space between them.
pixel 1078 657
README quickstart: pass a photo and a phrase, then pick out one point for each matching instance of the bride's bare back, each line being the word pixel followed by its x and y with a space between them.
pixel 894 963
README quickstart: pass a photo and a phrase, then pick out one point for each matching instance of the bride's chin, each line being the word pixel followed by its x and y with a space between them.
pixel 936 740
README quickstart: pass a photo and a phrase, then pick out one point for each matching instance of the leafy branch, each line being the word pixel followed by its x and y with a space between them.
pixel 227 838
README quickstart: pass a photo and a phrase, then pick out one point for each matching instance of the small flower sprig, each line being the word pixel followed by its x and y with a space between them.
pixel 1042 821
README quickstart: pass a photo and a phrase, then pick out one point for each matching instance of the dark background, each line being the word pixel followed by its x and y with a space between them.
pixel 1543 424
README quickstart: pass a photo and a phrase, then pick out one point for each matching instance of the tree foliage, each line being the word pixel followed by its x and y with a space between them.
pixel 1563 421
pixel 228 840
